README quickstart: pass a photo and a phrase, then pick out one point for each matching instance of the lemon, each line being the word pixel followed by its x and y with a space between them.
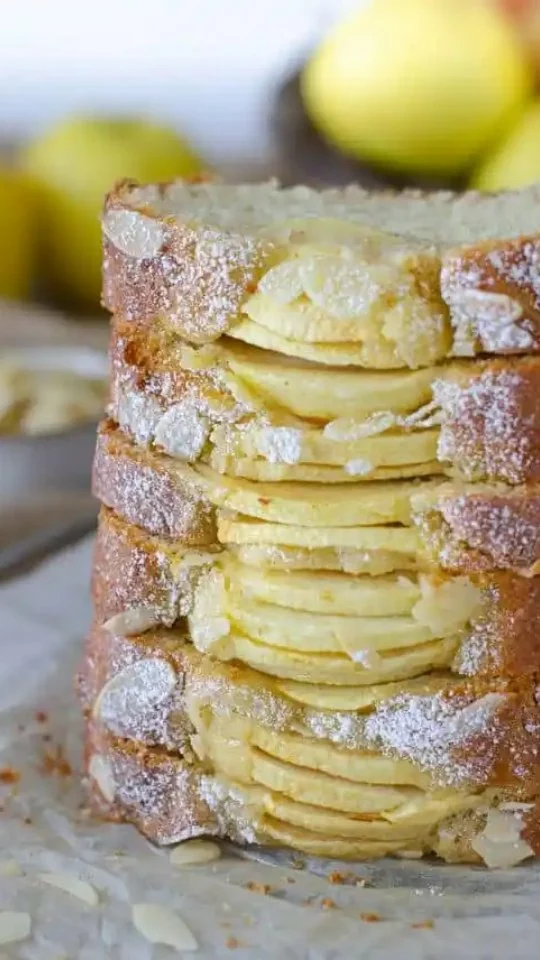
pixel 417 86
pixel 72 167
pixel 16 235
pixel 516 161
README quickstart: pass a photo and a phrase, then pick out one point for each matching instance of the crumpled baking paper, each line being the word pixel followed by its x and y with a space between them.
pixel 406 910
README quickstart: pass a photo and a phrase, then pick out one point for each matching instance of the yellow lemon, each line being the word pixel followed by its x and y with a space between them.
pixel 16 235
pixel 516 160
pixel 73 166
pixel 417 86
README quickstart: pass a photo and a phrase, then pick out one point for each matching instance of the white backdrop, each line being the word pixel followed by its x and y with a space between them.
pixel 210 66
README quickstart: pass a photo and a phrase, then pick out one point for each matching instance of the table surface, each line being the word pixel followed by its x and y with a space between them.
pixel 430 911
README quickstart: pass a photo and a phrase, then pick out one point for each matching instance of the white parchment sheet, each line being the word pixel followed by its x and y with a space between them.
pixel 45 829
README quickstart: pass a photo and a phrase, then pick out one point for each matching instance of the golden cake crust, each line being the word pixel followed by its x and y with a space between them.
pixel 478 732
pixel 136 571
pixel 487 410
pixel 198 276
pixel 461 527
pixel 145 765
pixel 316 578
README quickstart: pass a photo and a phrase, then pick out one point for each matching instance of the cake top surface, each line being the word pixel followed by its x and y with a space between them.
pixel 441 218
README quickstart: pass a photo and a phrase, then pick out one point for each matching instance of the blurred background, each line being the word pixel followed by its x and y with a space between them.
pixel 393 92
pixel 430 93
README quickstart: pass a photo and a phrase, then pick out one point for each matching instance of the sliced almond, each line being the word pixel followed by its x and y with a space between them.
pixel 346 288
pixel 160 925
pixel 133 233
pixel 129 700
pixel 182 431
pixel 130 622
pixel 427 416
pixel 100 770
pixel 194 851
pixel 347 429
pixel 73 885
pixel 500 843
pixel 481 304
pixel 14 926
pixel 282 283
pixel 137 413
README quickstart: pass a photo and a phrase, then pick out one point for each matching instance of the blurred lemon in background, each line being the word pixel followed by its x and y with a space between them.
pixel 516 161
pixel 16 235
pixel 524 15
pixel 72 167
pixel 418 86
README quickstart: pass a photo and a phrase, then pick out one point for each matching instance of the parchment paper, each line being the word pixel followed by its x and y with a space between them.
pixel 45 827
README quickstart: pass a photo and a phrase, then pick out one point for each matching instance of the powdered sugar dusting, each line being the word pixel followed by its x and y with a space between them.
pixel 494 298
pixel 491 425
pixel 132 571
pixel 228 803
pixel 473 653
pixel 138 414
pixel 159 793
pixel 280 444
pixel 160 501
pixel 519 265
pixel 358 467
pixel 179 428
pixel 479 528
pixel 199 284
pixel 138 700
pixel 345 729
pixel 431 730
pixel 183 431
pixel 504 529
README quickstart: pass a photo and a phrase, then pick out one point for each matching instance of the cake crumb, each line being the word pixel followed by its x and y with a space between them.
pixel 328 904
pixel 370 917
pixel 337 877
pixel 255 887
pixel 232 943
pixel 423 925
pixel 54 761
pixel 8 775
pixel 41 716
